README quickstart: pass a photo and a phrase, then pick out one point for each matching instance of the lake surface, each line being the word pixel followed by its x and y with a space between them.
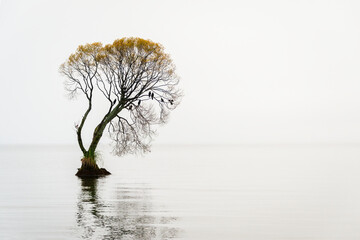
pixel 304 192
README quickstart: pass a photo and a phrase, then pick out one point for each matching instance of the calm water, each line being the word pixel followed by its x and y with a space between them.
pixel 183 192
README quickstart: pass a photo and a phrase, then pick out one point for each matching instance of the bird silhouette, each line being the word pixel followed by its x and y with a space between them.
pixel 130 107
pixel 162 100
pixel 139 102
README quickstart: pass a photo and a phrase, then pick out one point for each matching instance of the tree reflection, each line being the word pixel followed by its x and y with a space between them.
pixel 128 215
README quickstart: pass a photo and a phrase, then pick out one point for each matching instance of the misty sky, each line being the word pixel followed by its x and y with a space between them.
pixel 251 71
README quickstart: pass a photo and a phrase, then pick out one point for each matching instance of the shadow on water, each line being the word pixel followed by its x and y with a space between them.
pixel 126 213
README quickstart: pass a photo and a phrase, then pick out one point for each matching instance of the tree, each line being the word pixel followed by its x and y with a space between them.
pixel 138 80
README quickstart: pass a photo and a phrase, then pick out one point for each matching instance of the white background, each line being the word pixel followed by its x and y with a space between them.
pixel 251 71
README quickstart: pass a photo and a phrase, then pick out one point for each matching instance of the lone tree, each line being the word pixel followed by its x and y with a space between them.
pixel 139 82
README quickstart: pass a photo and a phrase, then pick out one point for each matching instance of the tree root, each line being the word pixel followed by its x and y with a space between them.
pixel 89 168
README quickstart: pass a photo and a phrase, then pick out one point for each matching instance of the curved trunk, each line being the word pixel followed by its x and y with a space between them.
pixel 79 128
pixel 98 132
pixel 89 160
pixel 89 166
pixel 96 139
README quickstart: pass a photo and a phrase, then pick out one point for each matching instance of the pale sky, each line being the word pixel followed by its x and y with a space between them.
pixel 251 71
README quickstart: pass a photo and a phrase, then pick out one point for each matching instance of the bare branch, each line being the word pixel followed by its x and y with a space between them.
pixel 136 77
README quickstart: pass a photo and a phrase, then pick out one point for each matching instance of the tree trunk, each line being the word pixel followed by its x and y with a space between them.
pixel 89 167
pixel 79 128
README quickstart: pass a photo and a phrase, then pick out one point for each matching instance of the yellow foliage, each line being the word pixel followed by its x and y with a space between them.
pixel 129 50
pixel 83 51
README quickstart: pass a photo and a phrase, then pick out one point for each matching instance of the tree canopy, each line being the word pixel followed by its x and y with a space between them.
pixel 138 80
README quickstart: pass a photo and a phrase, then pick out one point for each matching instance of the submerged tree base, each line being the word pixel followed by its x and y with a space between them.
pixel 95 172
pixel 90 169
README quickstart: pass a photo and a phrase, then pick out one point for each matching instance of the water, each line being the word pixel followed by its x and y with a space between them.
pixel 183 192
